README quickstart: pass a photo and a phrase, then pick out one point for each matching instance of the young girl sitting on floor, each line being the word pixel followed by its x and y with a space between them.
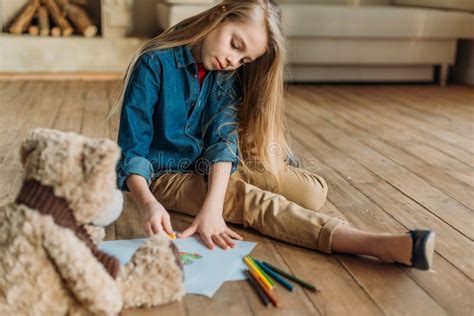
pixel 203 132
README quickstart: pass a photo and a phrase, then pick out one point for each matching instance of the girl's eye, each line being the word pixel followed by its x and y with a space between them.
pixel 245 61
pixel 234 45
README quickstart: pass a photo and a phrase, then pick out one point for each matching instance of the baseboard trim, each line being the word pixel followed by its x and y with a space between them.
pixel 86 76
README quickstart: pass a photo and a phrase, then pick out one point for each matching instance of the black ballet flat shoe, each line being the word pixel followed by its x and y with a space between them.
pixel 423 249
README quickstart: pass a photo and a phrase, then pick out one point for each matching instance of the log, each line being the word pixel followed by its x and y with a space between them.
pixel 62 3
pixel 43 20
pixel 81 20
pixel 33 30
pixel 56 31
pixel 23 20
pixel 84 3
pixel 59 17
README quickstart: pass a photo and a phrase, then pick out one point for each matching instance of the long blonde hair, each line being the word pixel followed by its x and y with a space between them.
pixel 262 129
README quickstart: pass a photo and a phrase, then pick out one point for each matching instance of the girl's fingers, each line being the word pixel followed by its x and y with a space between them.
pixel 167 225
pixel 148 229
pixel 156 227
pixel 187 232
pixel 220 241
pixel 227 239
pixel 233 234
pixel 207 240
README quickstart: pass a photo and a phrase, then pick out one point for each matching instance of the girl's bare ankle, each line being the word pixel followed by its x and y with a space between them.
pixel 396 248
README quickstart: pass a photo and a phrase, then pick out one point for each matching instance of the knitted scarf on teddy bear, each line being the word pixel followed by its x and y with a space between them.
pixel 40 197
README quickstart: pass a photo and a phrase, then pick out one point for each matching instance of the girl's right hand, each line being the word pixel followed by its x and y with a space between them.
pixel 156 218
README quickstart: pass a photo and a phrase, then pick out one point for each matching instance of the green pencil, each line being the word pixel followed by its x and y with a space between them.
pixel 261 271
pixel 292 277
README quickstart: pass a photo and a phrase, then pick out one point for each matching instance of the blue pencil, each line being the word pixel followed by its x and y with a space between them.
pixel 291 277
pixel 274 275
pixel 257 288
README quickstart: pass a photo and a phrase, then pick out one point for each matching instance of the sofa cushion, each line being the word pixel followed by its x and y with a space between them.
pixel 321 20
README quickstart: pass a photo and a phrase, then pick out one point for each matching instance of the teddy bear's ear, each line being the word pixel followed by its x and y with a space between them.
pixel 31 142
pixel 98 154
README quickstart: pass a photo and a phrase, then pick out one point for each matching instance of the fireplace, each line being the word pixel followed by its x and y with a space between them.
pixel 122 26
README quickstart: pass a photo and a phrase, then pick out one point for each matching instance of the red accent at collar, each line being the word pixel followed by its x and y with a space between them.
pixel 201 73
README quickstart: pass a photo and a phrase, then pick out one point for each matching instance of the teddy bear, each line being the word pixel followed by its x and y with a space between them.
pixel 49 260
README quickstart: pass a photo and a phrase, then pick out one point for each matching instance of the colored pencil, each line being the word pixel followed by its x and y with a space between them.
pixel 260 276
pixel 268 292
pixel 261 270
pixel 275 276
pixel 291 277
pixel 257 288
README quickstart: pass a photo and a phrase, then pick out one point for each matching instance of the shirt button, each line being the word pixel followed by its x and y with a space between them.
pixel 193 104
pixel 195 76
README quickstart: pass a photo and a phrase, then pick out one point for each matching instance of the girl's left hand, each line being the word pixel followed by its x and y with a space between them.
pixel 212 229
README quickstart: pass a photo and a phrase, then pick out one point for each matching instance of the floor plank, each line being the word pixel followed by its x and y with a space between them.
pixel 425 107
pixel 434 199
pixel 330 277
pixel 396 157
pixel 451 243
pixel 394 126
pixel 454 180
pixel 460 141
pixel 406 139
pixel 94 124
pixel 11 90
pixel 41 106
pixel 14 113
pixel 363 213
pixel 110 232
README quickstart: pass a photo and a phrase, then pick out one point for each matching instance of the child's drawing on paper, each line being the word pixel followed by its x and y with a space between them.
pixel 187 258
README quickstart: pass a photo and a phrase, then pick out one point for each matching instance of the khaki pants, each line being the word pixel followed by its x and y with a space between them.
pixel 289 214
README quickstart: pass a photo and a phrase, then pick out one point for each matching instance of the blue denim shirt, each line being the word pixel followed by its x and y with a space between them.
pixel 169 123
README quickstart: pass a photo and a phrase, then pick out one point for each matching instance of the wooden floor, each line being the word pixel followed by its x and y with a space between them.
pixel 396 157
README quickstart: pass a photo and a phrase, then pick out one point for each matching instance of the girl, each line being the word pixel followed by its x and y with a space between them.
pixel 203 132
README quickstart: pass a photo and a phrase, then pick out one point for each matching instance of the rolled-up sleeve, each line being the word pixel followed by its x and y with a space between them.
pixel 221 138
pixel 136 120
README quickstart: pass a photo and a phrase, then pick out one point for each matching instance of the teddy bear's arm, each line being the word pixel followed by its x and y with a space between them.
pixel 153 276
pixel 97 233
pixel 85 277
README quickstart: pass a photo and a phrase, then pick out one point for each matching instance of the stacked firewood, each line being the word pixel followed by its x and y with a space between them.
pixel 55 18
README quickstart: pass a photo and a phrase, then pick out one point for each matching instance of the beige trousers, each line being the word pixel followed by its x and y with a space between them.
pixel 288 213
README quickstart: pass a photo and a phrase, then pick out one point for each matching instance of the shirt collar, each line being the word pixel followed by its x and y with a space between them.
pixel 183 56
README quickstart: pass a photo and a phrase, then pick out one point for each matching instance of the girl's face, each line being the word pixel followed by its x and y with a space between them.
pixel 231 45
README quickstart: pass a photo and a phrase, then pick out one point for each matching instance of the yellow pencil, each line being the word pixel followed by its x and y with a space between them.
pixel 261 271
pixel 172 236
pixel 260 276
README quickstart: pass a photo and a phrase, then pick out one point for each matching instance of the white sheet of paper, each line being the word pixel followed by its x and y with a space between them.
pixel 203 276
pixel 238 273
